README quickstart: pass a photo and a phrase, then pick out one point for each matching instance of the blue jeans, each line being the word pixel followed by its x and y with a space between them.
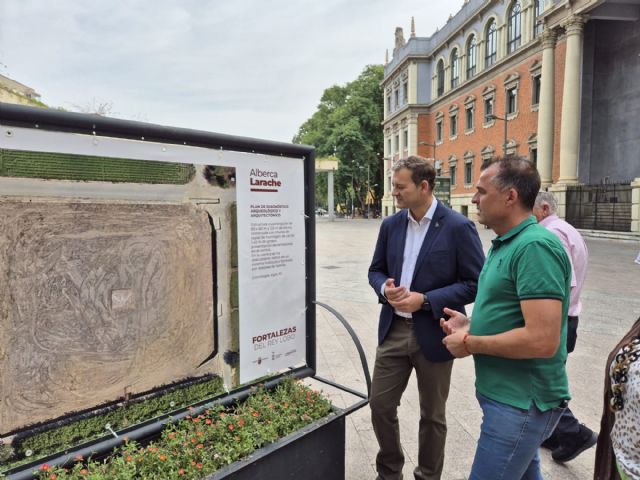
pixel 509 440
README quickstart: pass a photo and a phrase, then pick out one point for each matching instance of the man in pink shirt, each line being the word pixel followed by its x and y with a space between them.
pixel 570 438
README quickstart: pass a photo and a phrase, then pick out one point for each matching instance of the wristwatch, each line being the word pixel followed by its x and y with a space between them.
pixel 426 305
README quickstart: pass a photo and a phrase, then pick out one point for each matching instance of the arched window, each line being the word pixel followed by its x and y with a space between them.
pixel 537 25
pixel 491 44
pixel 440 70
pixel 472 47
pixel 455 68
pixel 514 30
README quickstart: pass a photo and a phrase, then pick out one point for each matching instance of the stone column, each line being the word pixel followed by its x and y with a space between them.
pixel 387 199
pixel 526 22
pixel 412 148
pixel 635 205
pixel 479 56
pixel 412 83
pixel 447 77
pixel 330 195
pixel 546 108
pixel 501 40
pixel 571 93
pixel 560 192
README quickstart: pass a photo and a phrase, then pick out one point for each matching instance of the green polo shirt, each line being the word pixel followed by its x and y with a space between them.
pixel 527 262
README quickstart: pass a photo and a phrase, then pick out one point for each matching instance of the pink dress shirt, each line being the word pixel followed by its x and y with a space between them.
pixel 578 254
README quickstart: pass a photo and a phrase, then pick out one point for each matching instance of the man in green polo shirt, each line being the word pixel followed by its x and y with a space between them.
pixel 518 333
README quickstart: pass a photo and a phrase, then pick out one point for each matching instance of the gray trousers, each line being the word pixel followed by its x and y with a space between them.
pixel 395 359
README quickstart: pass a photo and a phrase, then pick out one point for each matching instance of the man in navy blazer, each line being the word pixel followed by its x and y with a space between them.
pixel 427 257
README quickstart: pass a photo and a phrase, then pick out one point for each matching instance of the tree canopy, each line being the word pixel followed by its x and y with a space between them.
pixel 348 125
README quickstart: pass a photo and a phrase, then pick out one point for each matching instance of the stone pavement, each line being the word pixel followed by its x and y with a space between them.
pixel 344 247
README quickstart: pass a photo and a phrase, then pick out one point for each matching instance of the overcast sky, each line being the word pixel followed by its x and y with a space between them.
pixel 255 68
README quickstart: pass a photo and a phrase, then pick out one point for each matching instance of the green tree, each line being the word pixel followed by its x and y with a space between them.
pixel 348 124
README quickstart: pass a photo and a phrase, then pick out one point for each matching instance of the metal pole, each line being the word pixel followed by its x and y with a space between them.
pixel 506 101
pixel 330 195
pixel 504 146
pixel 353 192
pixel 368 193
pixel 432 145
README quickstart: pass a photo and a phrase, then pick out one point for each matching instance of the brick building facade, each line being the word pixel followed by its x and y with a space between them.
pixel 529 65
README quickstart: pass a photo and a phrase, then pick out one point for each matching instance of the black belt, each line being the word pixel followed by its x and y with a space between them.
pixel 408 321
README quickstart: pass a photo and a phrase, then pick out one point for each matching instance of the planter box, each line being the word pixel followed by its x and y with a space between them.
pixel 314 452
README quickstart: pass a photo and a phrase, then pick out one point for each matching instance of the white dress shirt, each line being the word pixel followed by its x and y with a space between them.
pixel 416 231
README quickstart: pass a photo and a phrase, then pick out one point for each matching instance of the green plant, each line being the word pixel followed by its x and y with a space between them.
pixel 197 446
pixel 63 166
pixel 65 436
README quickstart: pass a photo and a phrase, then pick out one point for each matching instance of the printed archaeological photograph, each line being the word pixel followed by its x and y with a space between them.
pixel 118 280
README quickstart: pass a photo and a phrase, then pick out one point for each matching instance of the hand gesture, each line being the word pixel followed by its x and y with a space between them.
pixel 393 293
pixel 455 344
pixel 412 302
pixel 401 299
pixel 457 322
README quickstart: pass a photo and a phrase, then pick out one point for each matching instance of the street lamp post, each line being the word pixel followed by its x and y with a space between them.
pixel 427 144
pixel 492 116
pixel 353 194
pixel 368 191
pixel 353 190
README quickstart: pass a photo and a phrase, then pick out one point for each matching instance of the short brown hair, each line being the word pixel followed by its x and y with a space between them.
pixel 420 168
pixel 517 173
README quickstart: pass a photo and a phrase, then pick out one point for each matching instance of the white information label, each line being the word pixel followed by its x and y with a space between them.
pixel 271 248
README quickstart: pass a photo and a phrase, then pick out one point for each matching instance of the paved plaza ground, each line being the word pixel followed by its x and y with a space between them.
pixel 611 299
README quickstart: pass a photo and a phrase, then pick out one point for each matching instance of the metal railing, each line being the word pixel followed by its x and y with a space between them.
pixel 600 207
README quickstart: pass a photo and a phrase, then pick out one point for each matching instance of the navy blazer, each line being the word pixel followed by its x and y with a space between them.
pixel 447 270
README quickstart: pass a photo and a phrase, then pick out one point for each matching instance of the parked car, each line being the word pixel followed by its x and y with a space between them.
pixel 320 212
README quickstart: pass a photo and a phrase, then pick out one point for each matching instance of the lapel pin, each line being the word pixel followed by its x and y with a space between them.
pixel 437 224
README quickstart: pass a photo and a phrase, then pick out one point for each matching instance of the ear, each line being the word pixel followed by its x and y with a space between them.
pixel 511 197
pixel 425 187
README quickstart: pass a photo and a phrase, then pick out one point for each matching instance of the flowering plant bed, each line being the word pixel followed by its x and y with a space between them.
pixel 54 438
pixel 199 445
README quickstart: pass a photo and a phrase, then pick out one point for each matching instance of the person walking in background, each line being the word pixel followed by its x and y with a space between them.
pixel 426 257
pixel 617 453
pixel 570 438
pixel 518 333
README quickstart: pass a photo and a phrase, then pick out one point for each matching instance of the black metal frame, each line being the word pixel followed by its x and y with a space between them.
pixel 53 120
